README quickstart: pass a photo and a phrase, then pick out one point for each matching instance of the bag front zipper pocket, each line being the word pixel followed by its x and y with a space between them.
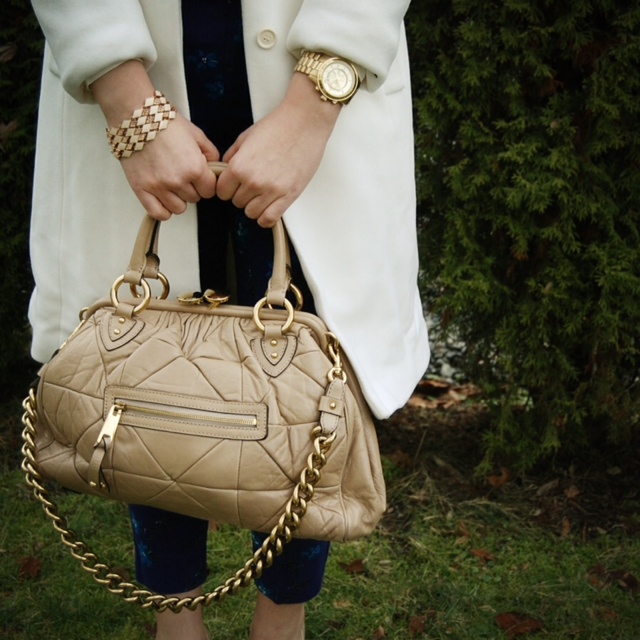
pixel 186 414
pixel 174 414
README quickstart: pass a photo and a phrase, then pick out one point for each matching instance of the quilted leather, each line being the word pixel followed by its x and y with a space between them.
pixel 191 357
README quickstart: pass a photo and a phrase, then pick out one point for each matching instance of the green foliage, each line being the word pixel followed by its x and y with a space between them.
pixel 528 154
pixel 20 63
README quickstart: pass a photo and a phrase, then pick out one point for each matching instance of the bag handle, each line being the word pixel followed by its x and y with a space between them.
pixel 145 264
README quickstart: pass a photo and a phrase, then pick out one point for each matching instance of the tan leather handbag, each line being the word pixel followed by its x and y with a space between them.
pixel 247 416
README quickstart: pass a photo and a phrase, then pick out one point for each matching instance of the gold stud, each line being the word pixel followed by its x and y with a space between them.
pixel 93 484
pixel 333 405
pixel 117 332
pixel 274 355
pixel 121 320
pixel 274 343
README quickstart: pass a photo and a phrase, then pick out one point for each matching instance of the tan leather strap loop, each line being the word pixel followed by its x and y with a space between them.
pixel 280 278
pixel 146 242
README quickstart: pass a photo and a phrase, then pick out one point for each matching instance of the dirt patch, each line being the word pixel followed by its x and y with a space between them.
pixel 439 435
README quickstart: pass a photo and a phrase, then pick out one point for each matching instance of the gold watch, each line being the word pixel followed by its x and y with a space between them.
pixel 335 78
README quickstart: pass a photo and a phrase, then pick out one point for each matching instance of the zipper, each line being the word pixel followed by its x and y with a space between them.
pixel 153 409
pixel 147 414
pixel 195 416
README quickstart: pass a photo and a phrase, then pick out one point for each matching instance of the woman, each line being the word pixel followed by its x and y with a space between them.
pixel 339 171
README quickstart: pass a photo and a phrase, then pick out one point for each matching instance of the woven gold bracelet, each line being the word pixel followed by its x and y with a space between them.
pixel 142 127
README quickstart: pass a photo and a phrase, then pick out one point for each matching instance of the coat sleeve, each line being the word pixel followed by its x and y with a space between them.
pixel 87 38
pixel 367 32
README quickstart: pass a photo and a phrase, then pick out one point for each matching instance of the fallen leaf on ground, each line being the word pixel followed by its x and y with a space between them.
pixel 517 624
pixel 401 459
pixel 628 582
pixel 598 576
pixel 379 633
pixel 6 129
pixel 417 624
pixel 433 385
pixel 438 394
pixel 463 530
pixel 29 568
pixel 499 480
pixel 483 555
pixel 419 402
pixel 604 614
pixel 8 51
pixel 547 488
pixel 356 567
pixel 572 492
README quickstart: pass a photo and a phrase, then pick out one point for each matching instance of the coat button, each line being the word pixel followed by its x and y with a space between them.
pixel 266 38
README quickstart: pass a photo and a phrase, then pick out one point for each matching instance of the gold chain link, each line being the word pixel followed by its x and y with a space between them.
pixel 103 574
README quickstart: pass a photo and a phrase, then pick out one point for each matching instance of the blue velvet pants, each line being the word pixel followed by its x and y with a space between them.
pixel 171 549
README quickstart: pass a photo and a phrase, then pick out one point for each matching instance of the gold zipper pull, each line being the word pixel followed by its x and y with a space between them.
pixel 111 423
pixel 95 476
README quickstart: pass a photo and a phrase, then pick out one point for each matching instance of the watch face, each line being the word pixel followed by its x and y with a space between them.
pixel 338 79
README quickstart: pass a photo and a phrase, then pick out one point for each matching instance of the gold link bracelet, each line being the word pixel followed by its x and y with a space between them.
pixel 142 127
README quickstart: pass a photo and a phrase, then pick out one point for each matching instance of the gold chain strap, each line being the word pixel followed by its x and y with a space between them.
pixel 103 574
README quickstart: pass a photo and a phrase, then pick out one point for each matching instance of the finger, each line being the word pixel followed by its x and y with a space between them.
pixel 235 147
pixel 172 202
pixel 227 185
pixel 209 150
pixel 230 152
pixel 273 213
pixel 205 184
pixel 153 206
pixel 242 197
pixel 256 207
pixel 188 193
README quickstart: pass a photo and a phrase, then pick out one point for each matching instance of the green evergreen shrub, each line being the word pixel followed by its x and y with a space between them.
pixel 528 162
pixel 20 64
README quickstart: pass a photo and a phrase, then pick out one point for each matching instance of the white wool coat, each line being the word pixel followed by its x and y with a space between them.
pixel 353 227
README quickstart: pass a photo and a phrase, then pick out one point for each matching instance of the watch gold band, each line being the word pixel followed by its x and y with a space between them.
pixel 313 65
pixel 310 61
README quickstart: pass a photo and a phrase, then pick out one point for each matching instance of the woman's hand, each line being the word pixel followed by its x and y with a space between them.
pixel 272 162
pixel 171 170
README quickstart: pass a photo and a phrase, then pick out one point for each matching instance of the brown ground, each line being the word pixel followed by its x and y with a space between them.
pixel 438 437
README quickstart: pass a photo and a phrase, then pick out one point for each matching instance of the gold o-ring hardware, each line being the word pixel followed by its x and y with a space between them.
pixel 261 303
pixel 165 288
pixel 140 306
pixel 299 297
